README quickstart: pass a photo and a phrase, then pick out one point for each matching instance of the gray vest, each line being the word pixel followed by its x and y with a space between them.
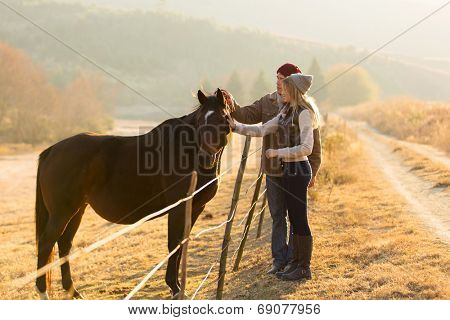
pixel 288 129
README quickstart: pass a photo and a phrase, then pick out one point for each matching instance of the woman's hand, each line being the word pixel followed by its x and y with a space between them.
pixel 230 121
pixel 271 153
pixel 312 182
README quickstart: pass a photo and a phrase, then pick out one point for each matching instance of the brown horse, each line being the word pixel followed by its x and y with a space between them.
pixel 126 178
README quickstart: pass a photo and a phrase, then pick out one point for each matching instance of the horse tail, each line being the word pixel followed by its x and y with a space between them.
pixel 41 216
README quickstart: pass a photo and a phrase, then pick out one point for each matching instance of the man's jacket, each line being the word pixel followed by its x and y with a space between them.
pixel 263 110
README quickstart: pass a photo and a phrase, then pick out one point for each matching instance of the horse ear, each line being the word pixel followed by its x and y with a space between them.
pixel 220 97
pixel 201 97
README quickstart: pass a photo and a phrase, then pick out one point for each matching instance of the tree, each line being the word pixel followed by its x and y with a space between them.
pixel 353 87
pixel 235 87
pixel 260 87
pixel 28 99
pixel 81 107
pixel 318 81
pixel 32 110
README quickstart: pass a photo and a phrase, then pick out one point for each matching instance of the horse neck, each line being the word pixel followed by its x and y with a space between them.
pixel 190 118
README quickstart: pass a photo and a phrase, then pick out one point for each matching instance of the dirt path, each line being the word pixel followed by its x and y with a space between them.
pixel 427 151
pixel 429 203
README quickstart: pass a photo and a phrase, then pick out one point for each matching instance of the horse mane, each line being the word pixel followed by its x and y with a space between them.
pixel 197 107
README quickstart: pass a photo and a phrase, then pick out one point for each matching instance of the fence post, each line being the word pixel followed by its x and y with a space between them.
pixel 249 221
pixel 187 231
pixel 233 208
pixel 261 217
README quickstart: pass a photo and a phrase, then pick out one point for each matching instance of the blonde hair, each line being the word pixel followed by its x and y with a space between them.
pixel 298 100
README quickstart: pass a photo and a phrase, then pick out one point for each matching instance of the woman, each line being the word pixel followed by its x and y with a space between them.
pixel 294 128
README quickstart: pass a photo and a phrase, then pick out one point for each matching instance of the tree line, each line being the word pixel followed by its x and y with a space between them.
pixel 34 111
pixel 354 87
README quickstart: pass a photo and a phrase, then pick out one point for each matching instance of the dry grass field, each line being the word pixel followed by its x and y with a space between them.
pixel 17 148
pixel 408 119
pixel 369 244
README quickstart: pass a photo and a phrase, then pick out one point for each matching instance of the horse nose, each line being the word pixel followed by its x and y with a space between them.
pixel 207 160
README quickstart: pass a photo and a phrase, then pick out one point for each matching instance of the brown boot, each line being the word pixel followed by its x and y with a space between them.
pixel 304 245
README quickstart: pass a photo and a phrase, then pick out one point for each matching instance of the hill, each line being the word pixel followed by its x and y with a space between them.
pixel 166 56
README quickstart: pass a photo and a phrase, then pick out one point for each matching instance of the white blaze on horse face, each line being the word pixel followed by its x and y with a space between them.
pixel 210 112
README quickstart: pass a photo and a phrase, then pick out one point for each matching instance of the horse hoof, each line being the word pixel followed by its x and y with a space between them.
pixel 73 293
pixel 43 295
pixel 77 295
pixel 174 294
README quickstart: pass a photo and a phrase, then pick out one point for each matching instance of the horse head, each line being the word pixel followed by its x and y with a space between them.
pixel 212 126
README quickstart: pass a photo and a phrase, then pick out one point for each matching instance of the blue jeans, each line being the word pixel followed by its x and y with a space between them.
pixel 296 176
pixel 281 248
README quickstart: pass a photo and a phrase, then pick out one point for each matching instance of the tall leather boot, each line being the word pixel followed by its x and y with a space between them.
pixel 304 245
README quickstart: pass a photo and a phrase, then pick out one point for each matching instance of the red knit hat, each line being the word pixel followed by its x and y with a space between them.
pixel 287 69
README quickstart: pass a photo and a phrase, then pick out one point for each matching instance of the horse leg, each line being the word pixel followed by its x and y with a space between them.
pixel 176 225
pixel 64 246
pixel 175 235
pixel 53 230
pixel 195 214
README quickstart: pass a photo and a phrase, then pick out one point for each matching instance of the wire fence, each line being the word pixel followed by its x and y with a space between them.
pixel 202 232
pixel 161 263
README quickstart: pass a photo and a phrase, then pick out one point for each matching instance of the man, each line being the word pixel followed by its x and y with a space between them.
pixel 263 110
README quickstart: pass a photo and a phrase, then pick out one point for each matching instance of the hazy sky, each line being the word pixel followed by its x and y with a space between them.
pixel 361 23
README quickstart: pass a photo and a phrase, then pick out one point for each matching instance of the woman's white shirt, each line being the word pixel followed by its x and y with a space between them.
pixel 288 154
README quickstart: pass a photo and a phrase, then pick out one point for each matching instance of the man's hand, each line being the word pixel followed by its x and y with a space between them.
pixel 271 153
pixel 230 101
pixel 312 182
